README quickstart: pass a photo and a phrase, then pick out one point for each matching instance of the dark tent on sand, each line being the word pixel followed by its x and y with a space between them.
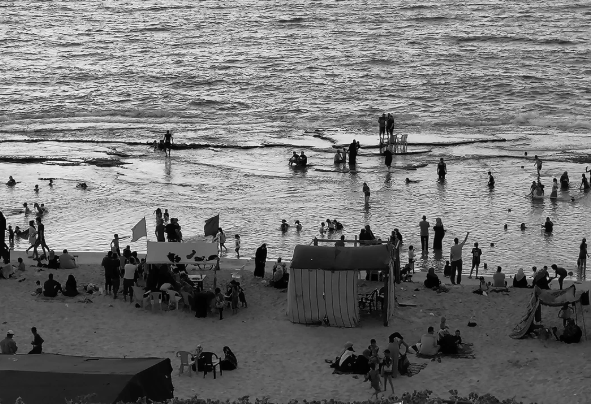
pixel 49 379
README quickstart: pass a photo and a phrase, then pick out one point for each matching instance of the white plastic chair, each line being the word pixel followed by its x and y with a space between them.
pixel 156 298
pixel 403 142
pixel 138 295
pixel 174 298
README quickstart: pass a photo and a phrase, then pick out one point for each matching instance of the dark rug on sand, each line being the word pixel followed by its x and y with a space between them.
pixel 466 351
pixel 415 368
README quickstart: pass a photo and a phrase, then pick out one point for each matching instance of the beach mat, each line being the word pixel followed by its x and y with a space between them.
pixel 415 368
pixel 466 351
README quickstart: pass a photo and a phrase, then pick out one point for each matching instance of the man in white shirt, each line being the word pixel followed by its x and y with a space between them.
pixel 428 345
pixel 129 279
pixel 455 257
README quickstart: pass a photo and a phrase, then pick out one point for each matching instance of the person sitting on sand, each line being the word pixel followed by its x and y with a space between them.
pixel 7 269
pixel 560 274
pixel 432 280
pixel 229 362
pixel 443 328
pixel 363 362
pixel 345 361
pixel 572 333
pixel 67 261
pixel 541 278
pixel 71 288
pixel 428 344
pixel 520 281
pixel 499 279
pixel 51 287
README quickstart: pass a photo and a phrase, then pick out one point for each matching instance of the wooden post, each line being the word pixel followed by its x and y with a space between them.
pixel 385 302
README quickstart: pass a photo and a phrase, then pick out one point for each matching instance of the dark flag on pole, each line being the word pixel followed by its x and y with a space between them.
pixel 211 226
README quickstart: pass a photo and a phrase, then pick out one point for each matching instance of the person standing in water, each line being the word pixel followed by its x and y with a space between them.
pixel 538 164
pixel 476 253
pixel 441 170
pixel 583 254
pixel 388 154
pixel 554 193
pixel 367 193
pixel 390 125
pixel 424 226
pixel 455 256
pixel 491 180
pixel 353 147
pixel 564 181
pixel 584 183
pixel 167 142
pixel 40 239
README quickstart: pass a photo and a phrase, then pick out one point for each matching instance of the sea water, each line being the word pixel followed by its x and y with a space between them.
pixel 248 82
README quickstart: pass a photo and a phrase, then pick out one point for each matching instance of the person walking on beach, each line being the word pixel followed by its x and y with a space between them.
pixel 40 239
pixel 353 147
pixel 538 164
pixel 221 239
pixel 37 342
pixel 583 254
pixel 260 259
pixel 167 142
pixel 455 256
pixel 441 170
pixel 237 245
pixel 367 192
pixel 476 253
pixel 424 225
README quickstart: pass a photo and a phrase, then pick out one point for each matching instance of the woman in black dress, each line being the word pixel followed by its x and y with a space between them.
pixel 260 258
pixel 71 288
pixel 229 362
pixel 439 234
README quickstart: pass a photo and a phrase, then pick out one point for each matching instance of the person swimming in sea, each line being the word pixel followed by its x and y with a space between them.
pixel 36 189
pixel 10 181
pixel 81 185
pixel 294 159
pixel 409 181
pixel 27 210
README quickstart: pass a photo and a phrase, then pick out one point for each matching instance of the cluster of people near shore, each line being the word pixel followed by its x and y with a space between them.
pixel 381 367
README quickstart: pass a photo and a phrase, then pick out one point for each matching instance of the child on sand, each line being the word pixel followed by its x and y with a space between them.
pixel 373 348
pixel 565 314
pixel 387 369
pixel 374 377
pixel 237 245
pixel 411 258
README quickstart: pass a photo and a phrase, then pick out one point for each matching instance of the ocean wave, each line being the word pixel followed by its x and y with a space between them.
pixel 127 113
pixel 418 7
pixel 507 38
pixel 534 119
pixel 429 18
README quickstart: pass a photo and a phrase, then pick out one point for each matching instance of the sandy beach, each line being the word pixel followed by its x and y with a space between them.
pixel 276 358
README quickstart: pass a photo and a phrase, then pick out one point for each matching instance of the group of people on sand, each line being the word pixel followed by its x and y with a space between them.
pixel 52 288
pixel 199 359
pixel 8 345
pixel 300 160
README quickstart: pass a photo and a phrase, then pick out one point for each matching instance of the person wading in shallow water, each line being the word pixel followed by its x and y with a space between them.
pixel 167 142
pixel 441 170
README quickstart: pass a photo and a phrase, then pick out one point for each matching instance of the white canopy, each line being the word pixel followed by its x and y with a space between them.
pixel 158 252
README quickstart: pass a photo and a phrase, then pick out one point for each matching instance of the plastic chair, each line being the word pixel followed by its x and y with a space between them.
pixel 187 300
pixel 138 295
pixel 209 364
pixel 174 297
pixel 403 142
pixel 156 297
pixel 368 301
pixel 185 361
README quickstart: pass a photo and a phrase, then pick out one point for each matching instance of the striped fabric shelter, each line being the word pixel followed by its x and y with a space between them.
pixel 323 283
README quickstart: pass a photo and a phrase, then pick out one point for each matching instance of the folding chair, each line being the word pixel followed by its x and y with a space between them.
pixel 185 361
pixel 209 363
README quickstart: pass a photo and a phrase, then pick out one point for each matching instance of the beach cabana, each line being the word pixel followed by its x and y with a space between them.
pixel 323 283
pixel 550 298
pixel 50 378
